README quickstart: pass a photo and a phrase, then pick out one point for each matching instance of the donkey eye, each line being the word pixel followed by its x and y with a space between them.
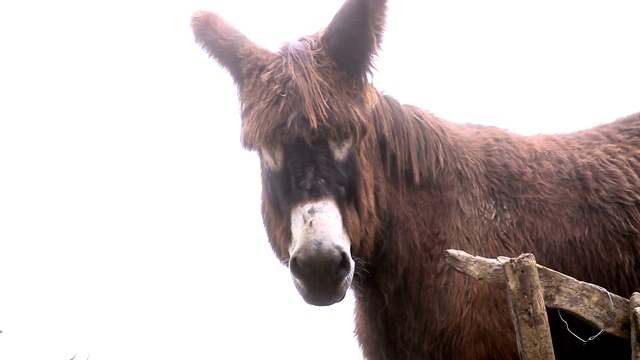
pixel 341 149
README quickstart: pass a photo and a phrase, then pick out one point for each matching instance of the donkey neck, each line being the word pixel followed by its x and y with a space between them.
pixel 431 177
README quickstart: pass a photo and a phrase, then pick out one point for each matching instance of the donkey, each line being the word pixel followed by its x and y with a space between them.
pixel 362 192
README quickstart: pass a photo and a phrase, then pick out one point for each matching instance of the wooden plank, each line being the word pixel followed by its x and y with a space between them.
pixel 528 311
pixel 589 302
pixel 634 318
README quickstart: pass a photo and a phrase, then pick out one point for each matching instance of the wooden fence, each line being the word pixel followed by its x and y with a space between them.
pixel 531 288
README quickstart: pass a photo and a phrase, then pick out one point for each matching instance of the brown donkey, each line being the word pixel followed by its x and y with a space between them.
pixel 361 191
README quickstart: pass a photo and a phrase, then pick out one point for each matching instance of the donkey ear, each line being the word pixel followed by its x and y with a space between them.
pixel 224 43
pixel 353 37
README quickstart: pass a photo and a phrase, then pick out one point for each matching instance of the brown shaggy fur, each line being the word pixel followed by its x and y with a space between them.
pixel 424 185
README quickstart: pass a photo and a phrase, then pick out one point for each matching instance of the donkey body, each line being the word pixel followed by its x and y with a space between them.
pixel 360 191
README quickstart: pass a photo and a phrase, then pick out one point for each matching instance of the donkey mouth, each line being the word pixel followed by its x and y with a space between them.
pixel 322 275
pixel 323 293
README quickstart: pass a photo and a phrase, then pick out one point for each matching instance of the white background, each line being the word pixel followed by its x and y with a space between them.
pixel 129 214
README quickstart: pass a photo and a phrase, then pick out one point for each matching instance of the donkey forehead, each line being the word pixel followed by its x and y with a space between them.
pixel 272 131
pixel 300 94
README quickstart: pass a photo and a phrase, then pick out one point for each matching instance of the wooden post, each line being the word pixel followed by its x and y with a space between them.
pixel 527 308
pixel 634 317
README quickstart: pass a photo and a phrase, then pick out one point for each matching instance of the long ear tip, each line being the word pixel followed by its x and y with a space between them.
pixel 204 15
pixel 221 41
pixel 201 18
pixel 353 37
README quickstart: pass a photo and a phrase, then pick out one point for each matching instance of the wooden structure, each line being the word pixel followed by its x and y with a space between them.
pixel 531 288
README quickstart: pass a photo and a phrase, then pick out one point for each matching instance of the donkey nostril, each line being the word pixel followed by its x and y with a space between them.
pixel 297 269
pixel 344 266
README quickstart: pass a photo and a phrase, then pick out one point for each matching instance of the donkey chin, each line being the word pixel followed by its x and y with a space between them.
pixel 320 259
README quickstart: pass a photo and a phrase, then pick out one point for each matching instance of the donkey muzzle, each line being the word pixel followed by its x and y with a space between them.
pixel 320 259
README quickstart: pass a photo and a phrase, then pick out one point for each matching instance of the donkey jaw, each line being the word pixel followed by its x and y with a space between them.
pixel 320 260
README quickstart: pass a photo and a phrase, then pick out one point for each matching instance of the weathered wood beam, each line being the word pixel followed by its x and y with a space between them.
pixel 634 318
pixel 591 303
pixel 527 308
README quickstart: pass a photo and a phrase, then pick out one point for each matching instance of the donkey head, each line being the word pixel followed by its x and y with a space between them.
pixel 306 110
